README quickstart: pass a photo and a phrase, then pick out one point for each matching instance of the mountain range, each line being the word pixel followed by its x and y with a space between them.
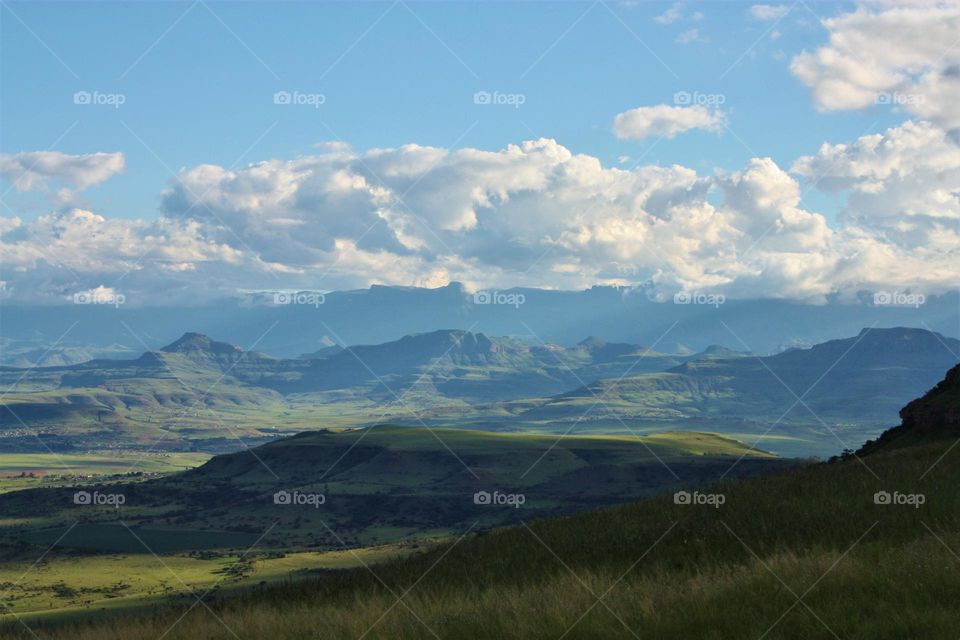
pixel 199 392
pixel 838 385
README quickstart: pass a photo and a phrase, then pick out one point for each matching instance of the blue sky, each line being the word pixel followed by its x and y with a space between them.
pixel 797 150
pixel 199 90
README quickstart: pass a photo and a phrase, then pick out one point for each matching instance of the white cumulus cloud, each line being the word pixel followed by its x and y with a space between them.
pixel 903 183
pixel 52 170
pixel 768 11
pixel 904 57
pixel 666 121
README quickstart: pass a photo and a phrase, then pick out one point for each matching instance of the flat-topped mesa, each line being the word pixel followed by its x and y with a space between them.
pixel 906 339
pixel 452 342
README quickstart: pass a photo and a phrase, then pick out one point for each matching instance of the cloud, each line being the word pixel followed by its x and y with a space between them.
pixel 768 11
pixel 901 223
pixel 903 183
pixel 50 170
pixel 666 121
pixel 677 12
pixel 533 213
pixel 690 36
pixel 75 251
pixel 904 57
pixel 671 15
pixel 530 214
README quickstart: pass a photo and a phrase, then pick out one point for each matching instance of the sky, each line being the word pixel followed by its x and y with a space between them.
pixel 180 151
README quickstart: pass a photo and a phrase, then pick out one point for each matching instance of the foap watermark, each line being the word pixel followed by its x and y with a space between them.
pixel 499 98
pixel 498 499
pixel 896 498
pixel 307 298
pixel 897 98
pixel 499 297
pixel 715 500
pixel 99 297
pixel 99 99
pixel 697 98
pixel 898 299
pixel 299 98
pixel 97 499
pixel 699 297
pixel 298 498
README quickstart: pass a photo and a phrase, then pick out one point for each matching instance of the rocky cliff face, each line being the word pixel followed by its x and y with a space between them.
pixel 939 409
pixel 934 416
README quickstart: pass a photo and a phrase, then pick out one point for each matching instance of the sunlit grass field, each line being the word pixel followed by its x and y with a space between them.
pixel 65 586
pixel 28 470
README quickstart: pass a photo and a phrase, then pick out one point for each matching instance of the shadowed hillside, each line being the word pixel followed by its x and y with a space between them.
pixel 384 484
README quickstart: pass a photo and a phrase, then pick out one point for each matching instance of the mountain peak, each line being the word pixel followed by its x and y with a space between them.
pixel 197 342
pixel 592 342
pixel 718 350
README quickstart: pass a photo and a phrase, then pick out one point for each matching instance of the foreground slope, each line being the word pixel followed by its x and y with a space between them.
pixel 862 548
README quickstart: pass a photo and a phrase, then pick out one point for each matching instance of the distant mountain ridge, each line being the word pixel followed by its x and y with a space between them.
pixel 456 377
pixel 859 380
pixel 382 313
pixel 460 363
pixel 146 398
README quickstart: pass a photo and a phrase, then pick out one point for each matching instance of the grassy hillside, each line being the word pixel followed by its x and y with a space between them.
pixel 71 585
pixel 379 485
pixel 30 470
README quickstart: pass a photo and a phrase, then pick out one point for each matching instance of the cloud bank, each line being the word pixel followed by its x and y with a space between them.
pixel 529 214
